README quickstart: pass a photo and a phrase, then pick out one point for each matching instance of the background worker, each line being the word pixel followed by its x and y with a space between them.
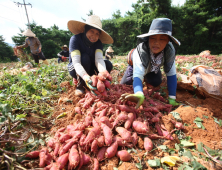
pixel 35 46
pixel 64 54
pixel 109 53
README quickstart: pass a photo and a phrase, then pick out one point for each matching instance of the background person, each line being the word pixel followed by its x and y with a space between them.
pixel 63 54
pixel 86 52
pixel 35 46
pixel 109 53
pixel 147 59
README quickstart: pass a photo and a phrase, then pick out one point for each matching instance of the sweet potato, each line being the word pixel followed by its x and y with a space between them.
pixel 134 138
pixel 49 158
pixel 123 155
pixel 107 134
pixel 73 157
pixel 100 86
pixel 167 135
pixel 105 120
pixel 76 134
pixel 79 126
pixel 155 119
pixel 82 139
pixel 63 160
pixel 86 159
pixel 107 84
pixel 129 121
pixel 89 138
pixel 55 166
pixel 119 140
pixel 94 79
pixel 124 108
pixel 140 127
pixel 124 133
pixel 96 164
pixel 178 125
pixel 67 147
pixel 103 112
pixel 95 123
pixel 64 137
pixel 88 121
pixel 42 157
pixel 102 76
pixel 159 131
pixel 80 158
pixel 148 144
pixel 32 155
pixel 104 93
pixel 101 153
pixel 94 146
pixel 78 110
pixel 101 141
pixel 122 117
pixel 56 150
pixel 111 150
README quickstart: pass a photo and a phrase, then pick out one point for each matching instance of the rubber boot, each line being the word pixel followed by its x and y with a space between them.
pixel 45 62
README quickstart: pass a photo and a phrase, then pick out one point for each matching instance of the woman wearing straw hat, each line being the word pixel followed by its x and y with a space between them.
pixel 109 53
pixel 86 52
pixel 35 46
pixel 145 62
pixel 63 54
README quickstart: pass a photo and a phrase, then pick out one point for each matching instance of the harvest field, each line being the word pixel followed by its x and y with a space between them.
pixel 40 114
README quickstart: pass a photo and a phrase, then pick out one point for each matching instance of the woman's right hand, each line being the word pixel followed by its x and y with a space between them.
pixel 88 82
pixel 137 98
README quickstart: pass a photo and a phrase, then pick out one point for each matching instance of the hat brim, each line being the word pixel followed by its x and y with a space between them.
pixel 28 34
pixel 149 34
pixel 77 27
pixel 64 47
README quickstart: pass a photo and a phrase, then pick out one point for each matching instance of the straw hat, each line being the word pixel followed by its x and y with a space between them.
pixel 160 26
pixel 77 27
pixel 28 33
pixel 65 46
pixel 109 49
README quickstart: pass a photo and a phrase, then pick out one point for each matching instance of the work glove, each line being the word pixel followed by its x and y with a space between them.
pixel 173 102
pixel 136 98
pixel 88 82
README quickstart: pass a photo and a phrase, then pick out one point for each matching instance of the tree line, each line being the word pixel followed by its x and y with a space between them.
pixel 197 25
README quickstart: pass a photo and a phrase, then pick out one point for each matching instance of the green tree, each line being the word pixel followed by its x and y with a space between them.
pixel 6 52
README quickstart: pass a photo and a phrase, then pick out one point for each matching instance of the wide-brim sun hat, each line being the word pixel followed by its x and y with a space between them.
pixel 160 26
pixel 28 33
pixel 77 27
pixel 64 46
pixel 110 50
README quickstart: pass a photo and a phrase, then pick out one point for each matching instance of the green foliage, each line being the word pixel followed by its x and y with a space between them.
pixel 6 52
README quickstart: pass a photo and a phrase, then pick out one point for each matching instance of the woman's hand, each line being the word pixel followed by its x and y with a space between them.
pixel 88 82
pixel 136 98
pixel 104 75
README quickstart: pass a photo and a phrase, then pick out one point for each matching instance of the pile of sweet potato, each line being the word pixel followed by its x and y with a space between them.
pixel 107 128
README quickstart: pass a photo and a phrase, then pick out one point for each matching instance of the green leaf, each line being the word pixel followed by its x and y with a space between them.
pixel 205 116
pixel 218 122
pixel 154 163
pixel 139 166
pixel 185 167
pixel 5 108
pixel 20 116
pixel 197 166
pixel 186 143
pixel 188 154
pixel 176 116
pixel 163 147
pixel 200 147
pixel 198 122
pixel 44 92
pixel 115 168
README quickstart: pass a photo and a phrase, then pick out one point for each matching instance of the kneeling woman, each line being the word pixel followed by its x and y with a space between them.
pixel 86 51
